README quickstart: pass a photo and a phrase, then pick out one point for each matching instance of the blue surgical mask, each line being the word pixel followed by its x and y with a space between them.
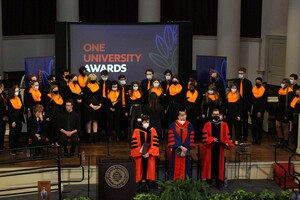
pixel 282 85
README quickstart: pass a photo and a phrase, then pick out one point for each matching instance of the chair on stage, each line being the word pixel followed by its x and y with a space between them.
pixel 285 176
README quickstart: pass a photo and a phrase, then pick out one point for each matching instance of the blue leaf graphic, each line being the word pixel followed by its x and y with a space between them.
pixel 168 37
pixel 161 46
pixel 159 60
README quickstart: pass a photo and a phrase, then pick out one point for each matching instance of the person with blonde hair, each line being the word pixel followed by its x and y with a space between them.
pixel 210 101
pixel 93 102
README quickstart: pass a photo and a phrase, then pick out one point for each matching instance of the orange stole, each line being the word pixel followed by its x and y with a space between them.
pixel 16 103
pixel 36 94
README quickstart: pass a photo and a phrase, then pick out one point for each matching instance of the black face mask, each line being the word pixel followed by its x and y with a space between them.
pixel 93 81
pixel 297 95
pixel 216 118
pixel 82 73
pixel 55 92
pixel 175 83
pixel 213 79
pixel 258 85
pixel 75 82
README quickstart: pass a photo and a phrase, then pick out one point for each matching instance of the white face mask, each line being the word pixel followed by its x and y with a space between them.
pixel 35 87
pixel 168 78
pixel 181 121
pixel 233 90
pixel 145 125
pixel 241 76
pixel 104 79
pixel 291 81
pixel 210 91
pixel 114 88
pixel 149 77
pixel 135 88
pixel 17 93
pixel 282 85
pixel 155 85
pixel 123 82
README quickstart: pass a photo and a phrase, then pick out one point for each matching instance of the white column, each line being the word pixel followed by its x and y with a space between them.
pixel 1 43
pixel 149 10
pixel 293 39
pixel 228 34
pixel 67 10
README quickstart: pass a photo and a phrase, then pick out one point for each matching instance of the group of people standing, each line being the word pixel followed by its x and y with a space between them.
pixel 85 104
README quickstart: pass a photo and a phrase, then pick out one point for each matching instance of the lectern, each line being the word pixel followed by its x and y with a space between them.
pixel 115 179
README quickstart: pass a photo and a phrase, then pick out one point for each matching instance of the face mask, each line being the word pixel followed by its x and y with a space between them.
pixel 135 88
pixel 292 81
pixel 75 82
pixel 258 85
pixel 149 77
pixel 282 85
pixel 36 87
pixel 175 82
pixel 210 91
pixel 216 118
pixel 55 92
pixel 53 82
pixel 213 79
pixel 181 121
pixel 17 93
pixel 123 82
pixel 82 73
pixel 241 76
pixel 233 90
pixel 104 79
pixel 93 81
pixel 114 88
pixel 297 95
pixel 168 78
pixel 155 85
pixel 145 125
pixel 192 89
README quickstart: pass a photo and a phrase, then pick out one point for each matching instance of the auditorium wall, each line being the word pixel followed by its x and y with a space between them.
pixel 274 22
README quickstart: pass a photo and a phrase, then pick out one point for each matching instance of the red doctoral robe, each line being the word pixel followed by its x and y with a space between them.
pixel 140 136
pixel 208 141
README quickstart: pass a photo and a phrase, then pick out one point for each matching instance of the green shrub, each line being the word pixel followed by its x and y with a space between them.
pixel 184 189
pixel 146 197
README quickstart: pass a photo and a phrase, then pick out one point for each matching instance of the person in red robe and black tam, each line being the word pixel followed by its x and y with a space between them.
pixel 181 141
pixel 144 150
pixel 215 138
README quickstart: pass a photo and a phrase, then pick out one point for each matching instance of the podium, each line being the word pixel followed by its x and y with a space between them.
pixel 115 179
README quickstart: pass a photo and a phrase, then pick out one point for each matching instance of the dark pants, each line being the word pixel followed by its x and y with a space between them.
pixel 244 125
pixel 2 133
pixel 74 142
pixel 124 122
pixel 257 127
pixel 14 135
pixel 233 122
pixel 295 129
pixel 113 122
pixel 173 112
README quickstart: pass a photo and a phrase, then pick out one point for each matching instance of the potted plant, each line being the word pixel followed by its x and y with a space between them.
pixel 143 196
pixel 184 189
pixel 242 194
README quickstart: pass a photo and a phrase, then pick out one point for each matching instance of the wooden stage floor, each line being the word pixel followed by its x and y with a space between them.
pixel 120 150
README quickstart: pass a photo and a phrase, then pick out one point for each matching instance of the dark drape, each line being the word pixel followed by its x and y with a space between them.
pixel 251 11
pixel 27 17
pixel 202 14
pixel 108 11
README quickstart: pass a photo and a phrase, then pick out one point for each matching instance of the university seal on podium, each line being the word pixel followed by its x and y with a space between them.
pixel 116 176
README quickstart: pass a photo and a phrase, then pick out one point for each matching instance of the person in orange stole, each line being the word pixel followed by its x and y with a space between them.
pixel 181 141
pixel 215 138
pixel 144 149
